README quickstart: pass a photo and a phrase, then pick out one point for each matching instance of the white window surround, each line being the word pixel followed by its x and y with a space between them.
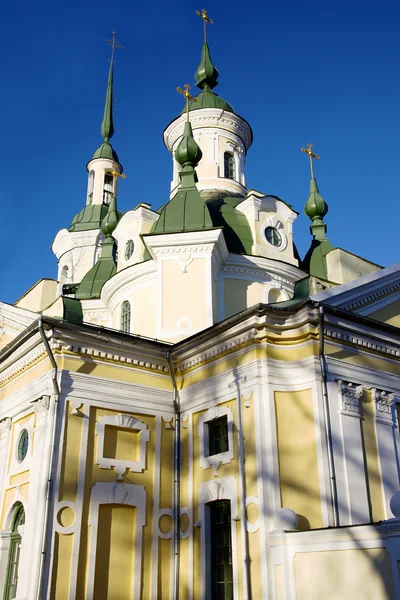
pixel 209 491
pixel 18 427
pixel 215 460
pixel 273 221
pixel 127 422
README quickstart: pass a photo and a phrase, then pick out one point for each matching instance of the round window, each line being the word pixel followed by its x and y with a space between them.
pixel 273 236
pixel 23 443
pixel 129 248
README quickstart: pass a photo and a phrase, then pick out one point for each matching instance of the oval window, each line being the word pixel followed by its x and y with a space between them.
pixel 23 443
pixel 129 248
pixel 273 236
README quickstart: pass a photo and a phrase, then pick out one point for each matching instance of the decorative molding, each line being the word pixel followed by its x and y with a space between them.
pixel 5 427
pixel 41 408
pixel 118 358
pixel 121 465
pixel 350 394
pixel 361 343
pixel 20 365
pixel 383 406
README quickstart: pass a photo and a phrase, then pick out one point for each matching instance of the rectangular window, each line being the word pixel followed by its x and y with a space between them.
pixel 221 550
pixel 218 436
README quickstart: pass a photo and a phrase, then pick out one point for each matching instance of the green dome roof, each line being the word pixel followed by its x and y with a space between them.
pixel 89 217
pixel 209 99
pixel 106 151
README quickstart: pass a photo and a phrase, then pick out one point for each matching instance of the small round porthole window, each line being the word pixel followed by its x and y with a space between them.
pixel 273 236
pixel 129 248
pixel 23 443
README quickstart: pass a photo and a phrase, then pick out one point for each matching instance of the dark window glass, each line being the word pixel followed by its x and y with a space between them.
pixel 218 436
pixel 221 550
pixel 273 236
pixel 229 166
pixel 126 317
pixel 23 444
pixel 129 248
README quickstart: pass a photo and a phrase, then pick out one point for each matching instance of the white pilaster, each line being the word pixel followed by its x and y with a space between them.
pixel 350 420
pixel 386 445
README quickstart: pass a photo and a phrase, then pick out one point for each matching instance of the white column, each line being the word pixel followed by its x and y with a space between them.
pixel 385 439
pixel 5 428
pixel 350 420
pixel 31 547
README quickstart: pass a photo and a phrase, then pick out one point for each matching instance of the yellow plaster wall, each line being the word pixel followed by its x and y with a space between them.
pixel 374 477
pixel 41 295
pixel 164 569
pixel 41 366
pixel 362 574
pixel 71 456
pixel 144 304
pixel 235 295
pixel 60 583
pixel 184 295
pixel 114 571
pixel 298 466
pixel 388 314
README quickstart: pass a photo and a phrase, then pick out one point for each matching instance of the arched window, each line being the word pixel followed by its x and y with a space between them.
pixel 126 317
pixel 10 590
pixel 90 188
pixel 229 166
pixel 108 188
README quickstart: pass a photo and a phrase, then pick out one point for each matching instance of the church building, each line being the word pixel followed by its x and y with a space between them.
pixel 190 410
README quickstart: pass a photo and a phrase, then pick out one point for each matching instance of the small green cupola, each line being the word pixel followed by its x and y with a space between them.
pixel 316 208
pixel 105 267
pixel 186 211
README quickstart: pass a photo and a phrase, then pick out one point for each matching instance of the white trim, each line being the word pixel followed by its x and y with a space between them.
pixel 121 465
pixel 207 461
pixel 221 489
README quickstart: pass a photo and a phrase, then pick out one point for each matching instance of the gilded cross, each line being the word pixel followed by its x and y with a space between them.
pixel 114 172
pixel 206 19
pixel 311 155
pixel 113 44
pixel 188 96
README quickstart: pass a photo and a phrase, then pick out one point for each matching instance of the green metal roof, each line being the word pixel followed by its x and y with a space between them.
pixel 90 217
pixel 206 77
pixel 106 151
pixel 316 208
pixel 92 283
pixel 236 228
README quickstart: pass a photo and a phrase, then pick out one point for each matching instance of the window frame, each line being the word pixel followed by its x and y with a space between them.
pixel 230 167
pixel 125 318
pixel 15 543
pixel 228 579
pixel 218 434
pixel 214 460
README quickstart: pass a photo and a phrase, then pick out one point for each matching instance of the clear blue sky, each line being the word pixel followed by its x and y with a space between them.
pixel 325 72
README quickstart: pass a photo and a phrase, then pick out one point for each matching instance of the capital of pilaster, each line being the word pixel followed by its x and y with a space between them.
pixel 350 394
pixel 41 407
pixel 383 406
pixel 5 426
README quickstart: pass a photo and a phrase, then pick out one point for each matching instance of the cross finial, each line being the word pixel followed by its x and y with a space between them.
pixel 114 172
pixel 311 155
pixel 113 44
pixel 206 19
pixel 188 96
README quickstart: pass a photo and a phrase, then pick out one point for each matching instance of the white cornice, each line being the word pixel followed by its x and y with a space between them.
pixel 215 118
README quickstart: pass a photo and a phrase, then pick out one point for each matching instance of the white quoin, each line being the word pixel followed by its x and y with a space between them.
pixel 101 185
pixel 224 139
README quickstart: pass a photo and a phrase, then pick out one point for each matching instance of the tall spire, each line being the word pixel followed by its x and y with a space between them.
pixel 107 125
